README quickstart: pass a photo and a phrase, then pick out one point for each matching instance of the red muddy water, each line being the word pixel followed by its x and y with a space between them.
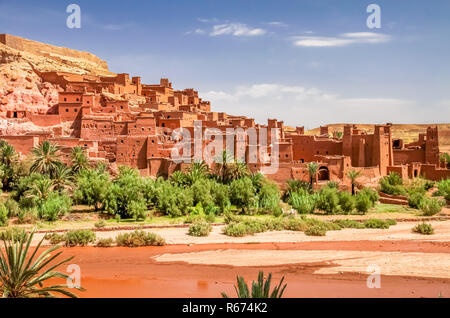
pixel 131 272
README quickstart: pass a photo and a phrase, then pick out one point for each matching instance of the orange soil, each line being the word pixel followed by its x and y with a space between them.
pixel 130 272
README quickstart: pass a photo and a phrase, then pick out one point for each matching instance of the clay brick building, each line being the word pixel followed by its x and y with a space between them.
pixel 123 121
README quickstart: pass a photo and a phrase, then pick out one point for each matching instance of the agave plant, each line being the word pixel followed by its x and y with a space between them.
pixel 260 288
pixel 23 273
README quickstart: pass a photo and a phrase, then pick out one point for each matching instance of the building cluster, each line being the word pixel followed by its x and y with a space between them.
pixel 123 121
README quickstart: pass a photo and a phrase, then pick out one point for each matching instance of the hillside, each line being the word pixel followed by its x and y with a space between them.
pixel 22 60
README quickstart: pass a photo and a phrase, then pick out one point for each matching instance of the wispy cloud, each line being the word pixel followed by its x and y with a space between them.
pixel 277 23
pixel 210 20
pixel 341 40
pixel 236 29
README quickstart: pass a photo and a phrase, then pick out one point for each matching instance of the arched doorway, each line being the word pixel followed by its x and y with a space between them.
pixel 323 174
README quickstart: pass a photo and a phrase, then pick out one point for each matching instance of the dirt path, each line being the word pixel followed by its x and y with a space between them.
pixel 401 231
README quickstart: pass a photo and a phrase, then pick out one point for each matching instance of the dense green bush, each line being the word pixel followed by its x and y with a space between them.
pixel 346 202
pixel 444 189
pixel 243 194
pixel 328 200
pixel 269 198
pixel 295 186
pixel 139 238
pixel 3 215
pixel 304 203
pixel 372 194
pixel 377 224
pixel 415 199
pixel 431 206
pixel 54 207
pixel 13 234
pixel 55 238
pixel 79 237
pixel 92 187
pixel 13 207
pixel 363 202
pixel 200 229
pixel 104 242
pixel 350 224
pixel 316 230
pixel 392 184
pixel 423 228
pixel 125 195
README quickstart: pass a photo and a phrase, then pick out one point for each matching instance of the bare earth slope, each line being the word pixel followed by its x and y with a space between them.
pixel 21 60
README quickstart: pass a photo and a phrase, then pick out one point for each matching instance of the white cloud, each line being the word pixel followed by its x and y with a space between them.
pixel 212 20
pixel 341 40
pixel 310 106
pixel 236 29
pixel 277 23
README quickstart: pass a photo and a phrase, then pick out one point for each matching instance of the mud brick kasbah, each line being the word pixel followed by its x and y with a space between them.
pixel 72 99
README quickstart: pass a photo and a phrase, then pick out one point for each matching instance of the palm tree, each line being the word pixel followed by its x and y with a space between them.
pixel 8 154
pixel 79 159
pixel 62 178
pixel 222 165
pixel 46 158
pixel 353 175
pixel 40 189
pixel 22 274
pixel 237 170
pixel 179 178
pixel 312 170
pixel 260 289
pixel 197 171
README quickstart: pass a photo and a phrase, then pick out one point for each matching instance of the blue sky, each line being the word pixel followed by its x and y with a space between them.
pixel 305 62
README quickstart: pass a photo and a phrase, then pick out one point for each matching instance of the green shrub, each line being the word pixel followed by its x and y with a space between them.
pixel 431 206
pixel 269 198
pixel 333 184
pixel 243 194
pixel 236 230
pixel 376 224
pixel 55 238
pixel 329 200
pixel 139 238
pixel 444 189
pixel 415 199
pixel 392 184
pixel 372 194
pixel 304 203
pixel 295 224
pixel 232 218
pixel 316 230
pixel 13 207
pixel 363 202
pixel 27 216
pixel 3 215
pixel 54 207
pixel 13 234
pixel 100 224
pixel 104 242
pixel 350 224
pixel 423 228
pixel 79 237
pixel 294 186
pixel 346 202
pixel 200 229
